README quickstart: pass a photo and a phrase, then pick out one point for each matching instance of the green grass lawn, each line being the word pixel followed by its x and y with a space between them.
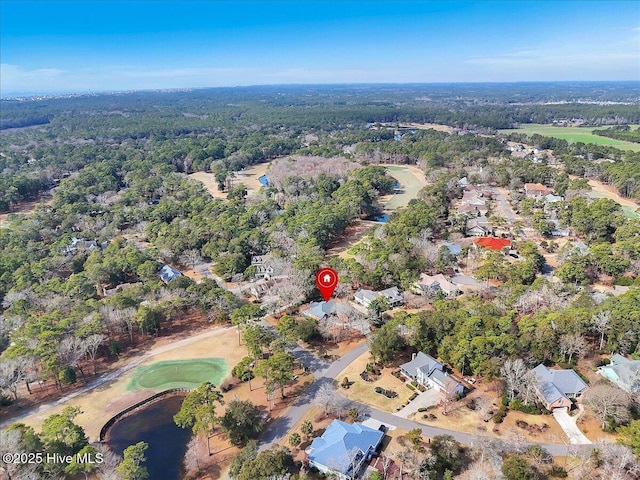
pixel 573 135
pixel 178 374
pixel 410 187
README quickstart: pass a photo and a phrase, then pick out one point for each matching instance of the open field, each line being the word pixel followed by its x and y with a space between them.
pixel 249 177
pixel 573 135
pixel 362 391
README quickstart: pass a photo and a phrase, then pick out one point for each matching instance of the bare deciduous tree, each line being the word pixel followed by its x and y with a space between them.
pixel 608 402
pixel 191 258
pixel 617 462
pixel 601 321
pixel 70 351
pixel 513 372
pixel 92 343
pixel 329 399
pixel 572 344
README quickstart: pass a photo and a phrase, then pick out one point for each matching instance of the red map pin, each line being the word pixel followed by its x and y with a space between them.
pixel 327 281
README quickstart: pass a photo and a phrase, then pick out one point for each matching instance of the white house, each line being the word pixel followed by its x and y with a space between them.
pixel 365 297
pixel 427 371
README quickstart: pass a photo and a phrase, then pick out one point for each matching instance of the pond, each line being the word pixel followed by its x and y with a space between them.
pixel 263 180
pixel 383 218
pixel 154 425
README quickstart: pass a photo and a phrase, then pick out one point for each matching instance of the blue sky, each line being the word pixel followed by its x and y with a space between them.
pixel 77 46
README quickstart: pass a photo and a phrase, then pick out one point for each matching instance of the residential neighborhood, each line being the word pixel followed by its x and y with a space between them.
pixel 165 298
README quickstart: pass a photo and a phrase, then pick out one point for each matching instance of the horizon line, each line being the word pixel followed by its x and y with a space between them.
pixel 49 95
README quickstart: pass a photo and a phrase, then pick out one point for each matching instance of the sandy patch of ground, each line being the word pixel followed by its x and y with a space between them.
pixel 428 126
pixel 599 189
pixel 23 208
pixel 249 177
pixel 461 419
pixel 363 392
pixel 354 232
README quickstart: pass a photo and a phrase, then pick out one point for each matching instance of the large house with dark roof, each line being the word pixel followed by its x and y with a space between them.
pixel 556 388
pixel 343 449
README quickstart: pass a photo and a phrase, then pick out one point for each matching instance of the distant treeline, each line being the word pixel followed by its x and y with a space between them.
pixel 620 132
pixel 325 107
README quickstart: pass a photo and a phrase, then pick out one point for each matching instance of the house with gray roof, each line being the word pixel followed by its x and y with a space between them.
pixel 343 449
pixel 322 310
pixel 263 268
pixel 455 249
pixel 623 372
pixel 556 388
pixel 432 284
pixel 80 244
pixel 365 297
pixel 168 274
pixel 428 372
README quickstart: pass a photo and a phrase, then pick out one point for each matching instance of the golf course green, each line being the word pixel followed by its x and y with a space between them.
pixel 178 374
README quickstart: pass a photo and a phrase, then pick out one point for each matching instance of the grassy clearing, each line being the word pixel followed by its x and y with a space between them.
pixel 573 135
pixel 178 374
pixel 362 391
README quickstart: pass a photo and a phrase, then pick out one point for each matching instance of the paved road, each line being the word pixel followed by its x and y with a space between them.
pixel 504 206
pixel 325 373
pixel 114 374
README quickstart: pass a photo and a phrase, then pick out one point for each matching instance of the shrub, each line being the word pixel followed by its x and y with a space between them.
pixel 533 409
pixel 558 472
pixel 499 417
pixel 623 281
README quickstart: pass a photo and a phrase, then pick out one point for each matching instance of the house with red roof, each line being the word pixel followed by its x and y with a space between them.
pixel 492 243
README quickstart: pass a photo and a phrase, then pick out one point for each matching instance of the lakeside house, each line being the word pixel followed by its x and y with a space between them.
pixel 429 373
pixel 343 449
pixel 556 388
pixel 623 372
